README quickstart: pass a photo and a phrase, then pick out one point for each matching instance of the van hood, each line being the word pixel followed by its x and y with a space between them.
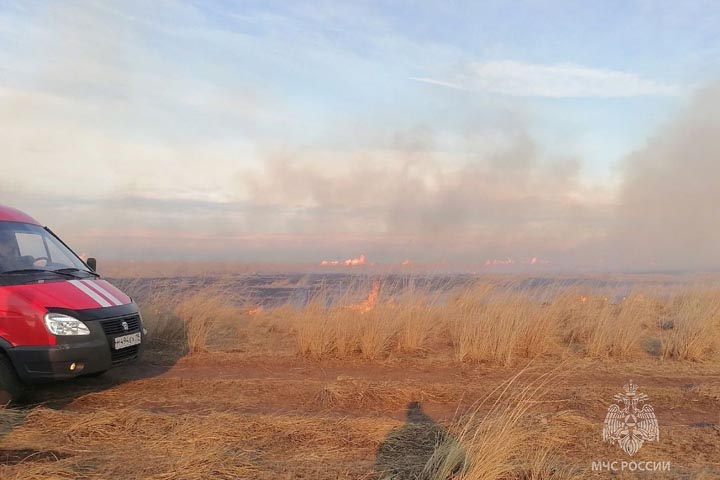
pixel 72 294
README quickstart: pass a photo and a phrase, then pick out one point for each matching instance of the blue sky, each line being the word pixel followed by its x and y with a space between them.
pixel 212 103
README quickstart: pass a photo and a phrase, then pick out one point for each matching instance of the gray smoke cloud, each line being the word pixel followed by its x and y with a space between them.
pixel 518 202
pixel 668 214
pixel 512 202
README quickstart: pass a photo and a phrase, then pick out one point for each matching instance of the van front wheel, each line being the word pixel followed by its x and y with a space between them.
pixel 10 387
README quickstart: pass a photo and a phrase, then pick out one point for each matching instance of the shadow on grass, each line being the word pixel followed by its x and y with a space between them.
pixel 407 452
pixel 153 362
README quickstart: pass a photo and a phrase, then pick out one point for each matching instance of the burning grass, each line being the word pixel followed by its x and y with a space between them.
pixel 502 327
pixel 494 321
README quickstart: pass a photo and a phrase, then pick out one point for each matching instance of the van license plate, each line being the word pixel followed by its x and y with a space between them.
pixel 127 340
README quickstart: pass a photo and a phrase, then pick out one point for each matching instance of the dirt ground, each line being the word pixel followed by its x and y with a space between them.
pixel 249 414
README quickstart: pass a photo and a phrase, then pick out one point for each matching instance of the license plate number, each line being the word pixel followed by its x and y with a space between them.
pixel 127 341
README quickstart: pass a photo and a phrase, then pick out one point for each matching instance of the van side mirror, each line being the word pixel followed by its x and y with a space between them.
pixel 92 263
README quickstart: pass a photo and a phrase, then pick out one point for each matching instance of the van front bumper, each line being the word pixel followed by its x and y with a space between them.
pixel 75 356
pixel 60 362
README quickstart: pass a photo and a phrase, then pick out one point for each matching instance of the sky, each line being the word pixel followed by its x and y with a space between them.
pixel 579 134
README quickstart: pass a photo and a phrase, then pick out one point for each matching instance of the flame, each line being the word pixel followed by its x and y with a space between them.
pixel 255 311
pixel 356 261
pixel 350 262
pixel 370 301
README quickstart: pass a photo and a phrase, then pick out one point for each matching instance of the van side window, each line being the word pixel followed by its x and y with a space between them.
pixel 31 244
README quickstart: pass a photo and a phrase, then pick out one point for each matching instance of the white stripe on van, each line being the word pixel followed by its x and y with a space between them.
pixel 90 293
pixel 104 292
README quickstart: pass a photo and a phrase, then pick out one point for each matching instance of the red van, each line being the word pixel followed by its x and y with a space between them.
pixel 59 319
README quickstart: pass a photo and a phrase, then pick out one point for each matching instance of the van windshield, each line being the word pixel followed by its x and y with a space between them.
pixel 30 247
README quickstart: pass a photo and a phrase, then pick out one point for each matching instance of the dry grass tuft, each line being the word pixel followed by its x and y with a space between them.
pixel 602 327
pixel 200 313
pixel 498 328
pixel 375 332
pixel 9 418
pixel 695 326
pixel 544 464
pixel 417 323
pixel 318 330
pixel 616 329
pixel 163 325
pixel 28 470
pixel 385 395
pixel 186 321
pixel 492 440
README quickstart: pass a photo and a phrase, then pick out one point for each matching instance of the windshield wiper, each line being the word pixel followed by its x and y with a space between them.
pixel 36 270
pixel 69 270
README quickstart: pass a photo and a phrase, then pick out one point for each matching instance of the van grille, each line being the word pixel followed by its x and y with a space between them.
pixel 127 353
pixel 114 326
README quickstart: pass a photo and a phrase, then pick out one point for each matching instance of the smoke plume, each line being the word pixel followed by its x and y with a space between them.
pixel 668 214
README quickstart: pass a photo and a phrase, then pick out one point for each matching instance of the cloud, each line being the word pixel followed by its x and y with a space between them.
pixel 438 82
pixel 54 134
pixel 519 79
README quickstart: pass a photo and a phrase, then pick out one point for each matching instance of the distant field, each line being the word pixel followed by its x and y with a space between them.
pixel 379 376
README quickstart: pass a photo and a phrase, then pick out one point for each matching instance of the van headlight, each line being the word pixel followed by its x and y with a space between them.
pixel 61 324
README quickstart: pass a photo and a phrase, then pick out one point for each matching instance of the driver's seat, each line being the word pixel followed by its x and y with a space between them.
pixel 16 263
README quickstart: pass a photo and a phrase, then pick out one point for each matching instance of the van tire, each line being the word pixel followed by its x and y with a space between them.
pixel 10 386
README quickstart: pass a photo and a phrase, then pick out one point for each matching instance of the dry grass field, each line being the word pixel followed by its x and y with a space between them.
pixel 481 381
